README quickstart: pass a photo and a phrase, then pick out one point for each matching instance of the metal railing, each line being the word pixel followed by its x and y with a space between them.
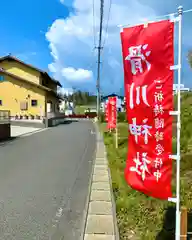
pixel 4 116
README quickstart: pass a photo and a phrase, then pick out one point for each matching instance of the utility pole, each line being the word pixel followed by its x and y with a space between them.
pixel 99 57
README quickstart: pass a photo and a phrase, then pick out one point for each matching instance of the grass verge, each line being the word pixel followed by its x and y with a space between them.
pixel 80 109
pixel 139 216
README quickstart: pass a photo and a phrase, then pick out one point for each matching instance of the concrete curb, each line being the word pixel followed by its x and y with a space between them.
pixel 114 209
pixel 113 202
pixel 101 222
pixel 89 194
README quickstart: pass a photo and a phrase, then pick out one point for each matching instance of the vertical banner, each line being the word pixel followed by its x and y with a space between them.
pixel 112 112
pixel 148 54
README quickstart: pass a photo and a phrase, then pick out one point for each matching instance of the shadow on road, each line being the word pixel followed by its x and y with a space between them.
pixel 5 142
pixel 69 121
pixel 11 139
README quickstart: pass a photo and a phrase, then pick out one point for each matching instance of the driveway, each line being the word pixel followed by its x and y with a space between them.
pixel 17 131
pixel 44 181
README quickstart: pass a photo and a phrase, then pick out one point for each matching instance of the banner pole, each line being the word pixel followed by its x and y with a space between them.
pixel 116 134
pixel 116 137
pixel 178 214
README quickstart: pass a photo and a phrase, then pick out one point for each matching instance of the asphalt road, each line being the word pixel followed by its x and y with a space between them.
pixel 44 180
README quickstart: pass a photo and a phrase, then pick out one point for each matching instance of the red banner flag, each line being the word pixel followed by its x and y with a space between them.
pixel 148 54
pixel 112 112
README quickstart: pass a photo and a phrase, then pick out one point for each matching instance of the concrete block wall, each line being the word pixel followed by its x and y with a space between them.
pixel 5 131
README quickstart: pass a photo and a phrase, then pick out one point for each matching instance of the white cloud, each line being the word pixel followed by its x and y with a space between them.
pixel 66 91
pixel 71 41
pixel 66 2
pixel 73 74
pixel 52 68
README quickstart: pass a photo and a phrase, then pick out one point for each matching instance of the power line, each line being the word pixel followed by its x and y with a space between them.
pixel 99 56
pixel 156 18
pixel 105 38
pixel 187 11
pixel 107 24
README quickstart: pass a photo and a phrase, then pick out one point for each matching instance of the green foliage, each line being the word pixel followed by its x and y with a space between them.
pixel 186 122
pixel 81 98
pixel 121 117
pixel 80 109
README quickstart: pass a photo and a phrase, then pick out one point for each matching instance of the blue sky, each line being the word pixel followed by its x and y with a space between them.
pixel 57 35
pixel 23 26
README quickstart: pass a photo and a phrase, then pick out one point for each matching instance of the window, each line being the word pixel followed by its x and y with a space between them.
pixel 23 106
pixel 1 103
pixel 33 103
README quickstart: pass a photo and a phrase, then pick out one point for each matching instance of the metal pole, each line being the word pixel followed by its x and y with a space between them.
pixel 46 115
pixel 178 214
pixel 98 96
pixel 116 137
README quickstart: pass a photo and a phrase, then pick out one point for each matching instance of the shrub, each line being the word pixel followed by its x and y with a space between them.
pixel 121 117
pixel 102 117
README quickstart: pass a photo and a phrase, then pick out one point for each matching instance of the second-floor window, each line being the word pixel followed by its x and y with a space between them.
pixel 34 103
pixel 44 82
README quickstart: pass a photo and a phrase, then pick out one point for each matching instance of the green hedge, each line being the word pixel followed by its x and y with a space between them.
pixel 121 117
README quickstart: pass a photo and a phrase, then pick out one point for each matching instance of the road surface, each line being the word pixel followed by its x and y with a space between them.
pixel 44 181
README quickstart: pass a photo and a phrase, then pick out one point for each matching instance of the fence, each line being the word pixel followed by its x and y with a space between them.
pixel 86 115
pixel 186 217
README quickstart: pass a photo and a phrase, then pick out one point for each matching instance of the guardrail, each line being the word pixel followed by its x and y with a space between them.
pixel 52 119
pixel 82 116
pixel 4 116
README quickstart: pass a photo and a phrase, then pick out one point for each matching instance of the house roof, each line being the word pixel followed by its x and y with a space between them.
pixel 13 58
pixel 112 95
pixel 31 83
